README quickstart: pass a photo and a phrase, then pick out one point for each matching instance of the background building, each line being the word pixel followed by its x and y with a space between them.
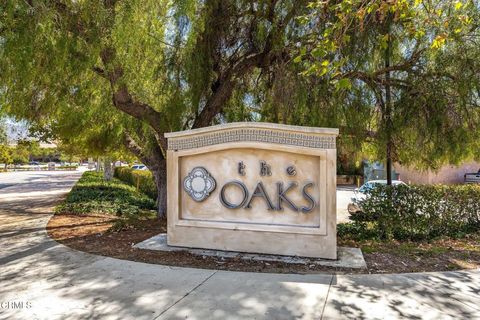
pixel 449 174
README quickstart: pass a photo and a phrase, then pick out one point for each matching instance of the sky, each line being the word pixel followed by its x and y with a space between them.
pixel 16 130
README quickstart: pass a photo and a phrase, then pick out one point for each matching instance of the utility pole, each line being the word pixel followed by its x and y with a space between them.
pixel 388 100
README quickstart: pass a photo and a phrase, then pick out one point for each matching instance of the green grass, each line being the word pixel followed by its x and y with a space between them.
pixel 93 195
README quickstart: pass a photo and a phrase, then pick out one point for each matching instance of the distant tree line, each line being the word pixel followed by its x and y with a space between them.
pixel 26 151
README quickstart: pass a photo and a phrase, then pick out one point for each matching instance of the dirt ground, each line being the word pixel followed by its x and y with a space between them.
pixel 91 233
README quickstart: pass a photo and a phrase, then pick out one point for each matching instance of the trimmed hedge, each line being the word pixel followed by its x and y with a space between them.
pixel 92 194
pixel 66 168
pixel 142 180
pixel 417 212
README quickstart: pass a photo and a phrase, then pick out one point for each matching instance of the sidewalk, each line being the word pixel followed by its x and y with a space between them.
pixel 56 282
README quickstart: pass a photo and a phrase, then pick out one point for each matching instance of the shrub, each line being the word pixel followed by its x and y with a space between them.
pixel 66 168
pixel 142 180
pixel 92 194
pixel 356 231
pixel 420 212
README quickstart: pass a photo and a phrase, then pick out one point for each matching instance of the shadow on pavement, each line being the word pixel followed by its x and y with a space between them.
pixel 61 283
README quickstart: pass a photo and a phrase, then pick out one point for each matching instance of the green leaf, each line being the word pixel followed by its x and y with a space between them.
pixel 323 71
pixel 318 52
pixel 344 83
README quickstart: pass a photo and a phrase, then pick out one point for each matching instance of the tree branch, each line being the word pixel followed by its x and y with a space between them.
pixel 222 88
pixel 133 146
pixel 123 100
pixel 151 159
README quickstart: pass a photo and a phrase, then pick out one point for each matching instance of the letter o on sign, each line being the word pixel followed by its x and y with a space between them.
pixel 228 204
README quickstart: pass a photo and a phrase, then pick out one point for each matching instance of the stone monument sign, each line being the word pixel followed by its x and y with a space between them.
pixel 253 187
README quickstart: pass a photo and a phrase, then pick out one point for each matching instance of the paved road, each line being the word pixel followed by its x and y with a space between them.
pixel 41 279
pixel 344 196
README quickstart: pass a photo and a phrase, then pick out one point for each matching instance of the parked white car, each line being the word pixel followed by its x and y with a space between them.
pixel 361 193
pixel 139 167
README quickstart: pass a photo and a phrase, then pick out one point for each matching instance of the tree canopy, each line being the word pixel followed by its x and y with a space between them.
pixel 406 71
pixel 70 66
pixel 117 74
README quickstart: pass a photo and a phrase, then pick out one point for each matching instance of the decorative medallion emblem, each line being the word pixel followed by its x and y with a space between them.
pixel 199 184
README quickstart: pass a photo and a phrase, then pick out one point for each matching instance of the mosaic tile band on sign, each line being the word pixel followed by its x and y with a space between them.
pixel 253 135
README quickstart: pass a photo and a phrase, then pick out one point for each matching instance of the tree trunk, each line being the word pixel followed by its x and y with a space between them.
pixel 159 171
pixel 154 159
pixel 99 166
pixel 107 169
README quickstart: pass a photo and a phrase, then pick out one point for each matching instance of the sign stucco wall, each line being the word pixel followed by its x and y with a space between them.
pixel 253 187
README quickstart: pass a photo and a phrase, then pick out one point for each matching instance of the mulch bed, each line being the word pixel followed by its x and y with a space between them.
pixel 91 233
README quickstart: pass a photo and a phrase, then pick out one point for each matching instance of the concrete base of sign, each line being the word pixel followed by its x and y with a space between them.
pixel 347 257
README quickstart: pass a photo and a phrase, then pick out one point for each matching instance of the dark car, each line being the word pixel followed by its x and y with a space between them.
pixel 472 177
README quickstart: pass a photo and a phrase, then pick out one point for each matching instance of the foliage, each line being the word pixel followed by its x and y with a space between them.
pixel 30 150
pixel 66 168
pixel 140 179
pixel 20 154
pixel 402 74
pixel 418 212
pixel 356 231
pixel 46 155
pixel 5 155
pixel 157 60
pixel 107 76
pixel 3 131
pixel 93 195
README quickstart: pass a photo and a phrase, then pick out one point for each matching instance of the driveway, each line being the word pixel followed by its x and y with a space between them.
pixel 344 196
pixel 41 279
